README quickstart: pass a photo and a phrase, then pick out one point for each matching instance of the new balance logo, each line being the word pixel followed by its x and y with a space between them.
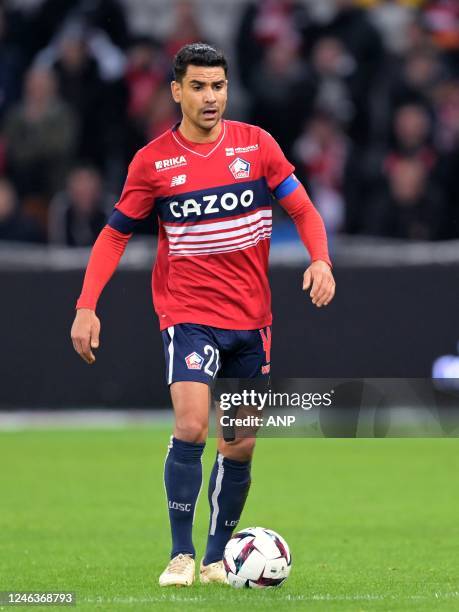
pixel 229 151
pixel 179 506
pixel 172 162
pixel 178 180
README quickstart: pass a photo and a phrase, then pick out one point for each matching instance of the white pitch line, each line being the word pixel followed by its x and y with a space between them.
pixel 81 419
pixel 315 597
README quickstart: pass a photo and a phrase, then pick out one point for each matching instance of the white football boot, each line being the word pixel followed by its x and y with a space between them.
pixel 214 572
pixel 179 572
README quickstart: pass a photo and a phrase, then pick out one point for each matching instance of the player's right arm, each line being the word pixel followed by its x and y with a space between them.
pixel 136 203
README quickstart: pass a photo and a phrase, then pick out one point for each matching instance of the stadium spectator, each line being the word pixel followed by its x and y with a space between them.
pixel 412 125
pixel 393 19
pixel 422 71
pixel 77 215
pixel 263 24
pixel 40 137
pixel 282 92
pixel 323 151
pixel 15 226
pixel 334 72
pixel 80 85
pixel 447 113
pixel 186 28
pixel 51 15
pixel 162 113
pixel 11 66
pixel 409 206
pixel 442 20
pixel 362 42
pixel 145 75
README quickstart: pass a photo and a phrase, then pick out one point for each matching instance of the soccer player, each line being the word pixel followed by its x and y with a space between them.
pixel 210 181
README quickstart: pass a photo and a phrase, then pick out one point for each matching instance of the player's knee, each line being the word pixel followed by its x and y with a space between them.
pixel 240 449
pixel 192 431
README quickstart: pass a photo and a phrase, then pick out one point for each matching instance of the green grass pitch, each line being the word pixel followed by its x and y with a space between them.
pixel 372 524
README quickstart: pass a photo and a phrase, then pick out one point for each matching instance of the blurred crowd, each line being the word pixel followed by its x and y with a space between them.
pixel 363 98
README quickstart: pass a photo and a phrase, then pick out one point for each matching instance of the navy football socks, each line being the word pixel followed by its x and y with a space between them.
pixel 183 479
pixel 228 488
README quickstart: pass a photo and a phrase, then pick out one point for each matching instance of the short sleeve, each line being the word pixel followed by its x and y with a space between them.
pixel 276 166
pixel 137 198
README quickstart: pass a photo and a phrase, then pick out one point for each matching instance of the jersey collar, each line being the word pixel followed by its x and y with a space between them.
pixel 183 145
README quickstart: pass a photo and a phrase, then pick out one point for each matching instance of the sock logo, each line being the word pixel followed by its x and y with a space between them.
pixel 179 506
pixel 231 523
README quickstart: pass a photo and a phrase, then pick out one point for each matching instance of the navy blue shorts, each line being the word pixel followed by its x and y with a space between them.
pixel 202 353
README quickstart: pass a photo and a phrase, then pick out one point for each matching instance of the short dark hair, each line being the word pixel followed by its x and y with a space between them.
pixel 198 54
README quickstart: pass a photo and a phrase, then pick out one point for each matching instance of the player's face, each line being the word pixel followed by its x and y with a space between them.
pixel 202 94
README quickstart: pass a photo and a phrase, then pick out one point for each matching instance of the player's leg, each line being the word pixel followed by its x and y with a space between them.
pixel 183 467
pixel 229 485
pixel 231 474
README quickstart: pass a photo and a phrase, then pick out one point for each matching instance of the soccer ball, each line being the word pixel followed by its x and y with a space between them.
pixel 257 558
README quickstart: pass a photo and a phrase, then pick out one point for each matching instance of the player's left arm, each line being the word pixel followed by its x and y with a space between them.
pixel 295 201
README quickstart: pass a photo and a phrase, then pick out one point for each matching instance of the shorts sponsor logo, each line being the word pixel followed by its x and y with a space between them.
pixel 178 180
pixel 194 361
pixel 240 168
pixel 172 162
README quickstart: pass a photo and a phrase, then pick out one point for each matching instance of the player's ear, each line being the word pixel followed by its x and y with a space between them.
pixel 176 90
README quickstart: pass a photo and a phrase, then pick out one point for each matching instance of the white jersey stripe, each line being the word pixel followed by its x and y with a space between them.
pixel 221 225
pixel 193 246
pixel 250 229
pixel 217 250
pixel 205 222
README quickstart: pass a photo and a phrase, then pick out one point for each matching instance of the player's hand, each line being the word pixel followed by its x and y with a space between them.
pixel 85 334
pixel 320 276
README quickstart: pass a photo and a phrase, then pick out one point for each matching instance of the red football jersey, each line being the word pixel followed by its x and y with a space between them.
pixel 214 206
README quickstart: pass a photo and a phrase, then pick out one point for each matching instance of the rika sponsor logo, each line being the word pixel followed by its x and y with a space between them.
pixel 194 361
pixel 179 506
pixel 178 180
pixel 240 168
pixel 172 162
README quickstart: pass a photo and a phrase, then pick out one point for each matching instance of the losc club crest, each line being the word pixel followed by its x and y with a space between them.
pixel 240 168
pixel 194 361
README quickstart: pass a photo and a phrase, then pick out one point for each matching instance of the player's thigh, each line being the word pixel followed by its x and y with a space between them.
pixel 192 362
